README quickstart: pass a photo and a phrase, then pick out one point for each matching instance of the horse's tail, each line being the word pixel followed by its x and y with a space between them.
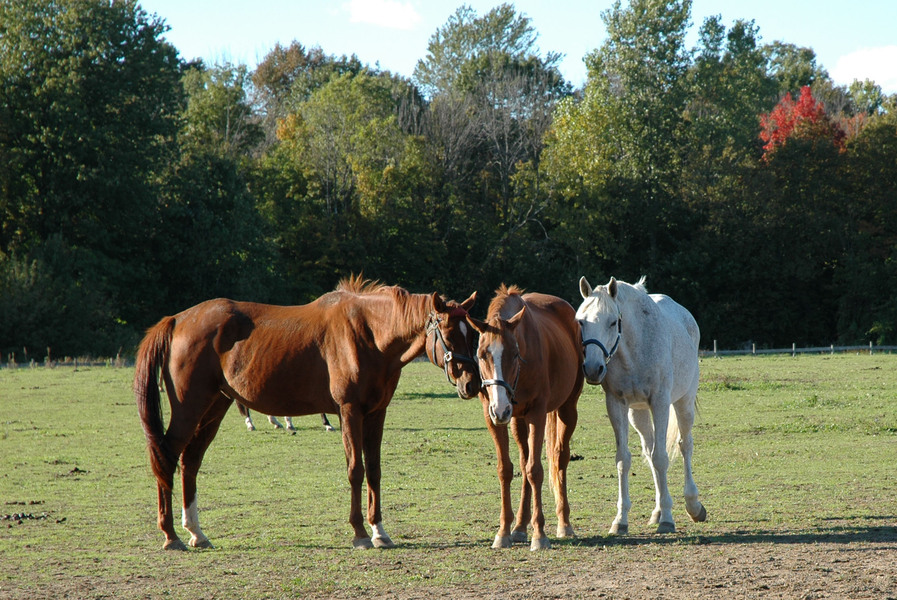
pixel 151 358
pixel 673 435
pixel 552 451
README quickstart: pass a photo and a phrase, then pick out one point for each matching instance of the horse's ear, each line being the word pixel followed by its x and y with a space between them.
pixel 438 303
pixel 480 326
pixel 515 320
pixel 584 288
pixel 612 287
pixel 468 304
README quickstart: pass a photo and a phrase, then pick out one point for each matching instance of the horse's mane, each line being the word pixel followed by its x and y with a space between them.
pixel 403 308
pixel 358 284
pixel 506 297
pixel 640 284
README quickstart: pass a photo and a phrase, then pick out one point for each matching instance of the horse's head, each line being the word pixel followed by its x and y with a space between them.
pixel 498 354
pixel 601 322
pixel 451 342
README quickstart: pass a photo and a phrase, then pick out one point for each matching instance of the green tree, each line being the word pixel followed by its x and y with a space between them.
pixel 89 98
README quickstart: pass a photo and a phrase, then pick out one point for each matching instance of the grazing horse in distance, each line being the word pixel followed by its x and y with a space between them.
pixel 643 350
pixel 342 353
pixel 530 360
pixel 247 418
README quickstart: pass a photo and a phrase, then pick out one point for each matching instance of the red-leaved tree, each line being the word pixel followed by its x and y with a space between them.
pixel 804 119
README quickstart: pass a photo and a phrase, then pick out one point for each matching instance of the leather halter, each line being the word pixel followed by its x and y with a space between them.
pixel 447 355
pixel 512 389
pixel 608 354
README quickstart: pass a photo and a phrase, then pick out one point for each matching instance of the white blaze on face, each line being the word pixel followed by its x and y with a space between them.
pixel 499 398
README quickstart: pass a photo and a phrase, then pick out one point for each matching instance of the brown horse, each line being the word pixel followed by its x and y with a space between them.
pixel 341 353
pixel 531 363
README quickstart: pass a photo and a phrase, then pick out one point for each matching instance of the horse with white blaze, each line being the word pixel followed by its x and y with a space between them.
pixel 643 350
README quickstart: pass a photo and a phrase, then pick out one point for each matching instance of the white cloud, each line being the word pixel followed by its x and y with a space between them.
pixel 877 64
pixel 392 14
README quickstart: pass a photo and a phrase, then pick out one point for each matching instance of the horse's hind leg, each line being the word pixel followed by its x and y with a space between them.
pixel 566 423
pixel 685 416
pixel 244 412
pixel 326 423
pixel 191 459
pixel 166 520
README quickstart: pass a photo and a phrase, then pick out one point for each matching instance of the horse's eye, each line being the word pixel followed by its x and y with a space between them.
pixel 613 324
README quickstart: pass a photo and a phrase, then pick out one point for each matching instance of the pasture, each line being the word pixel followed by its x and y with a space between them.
pixel 794 458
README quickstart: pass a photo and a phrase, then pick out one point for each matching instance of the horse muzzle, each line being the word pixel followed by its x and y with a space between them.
pixel 502 419
pixel 468 387
pixel 594 373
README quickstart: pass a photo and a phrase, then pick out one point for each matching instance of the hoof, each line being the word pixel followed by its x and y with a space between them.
pixel 565 532
pixel 541 543
pixel 655 517
pixel 501 542
pixel 383 542
pixel 329 428
pixel 666 528
pixel 203 544
pixel 619 529
pixel 362 543
pixel 174 544
pixel 701 516
pixel 518 536
pixel 250 428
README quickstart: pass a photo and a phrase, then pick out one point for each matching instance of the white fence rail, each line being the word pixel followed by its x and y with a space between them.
pixel 794 350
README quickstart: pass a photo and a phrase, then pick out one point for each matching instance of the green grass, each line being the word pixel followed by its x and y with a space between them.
pixel 786 449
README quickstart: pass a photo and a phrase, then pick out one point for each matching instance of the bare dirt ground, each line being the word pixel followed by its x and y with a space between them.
pixel 841 561
pixel 773 565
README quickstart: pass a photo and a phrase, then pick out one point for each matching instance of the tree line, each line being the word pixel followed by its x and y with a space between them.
pixel 734 174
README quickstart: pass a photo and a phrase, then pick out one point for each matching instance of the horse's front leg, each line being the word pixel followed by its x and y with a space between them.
pixel 616 412
pixel 524 511
pixel 352 443
pixel 534 476
pixel 373 437
pixel 505 473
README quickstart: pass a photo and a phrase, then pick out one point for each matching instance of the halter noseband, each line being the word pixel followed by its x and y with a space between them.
pixel 608 354
pixel 512 389
pixel 447 355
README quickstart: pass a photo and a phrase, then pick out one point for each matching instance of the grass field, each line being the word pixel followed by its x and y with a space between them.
pixel 794 457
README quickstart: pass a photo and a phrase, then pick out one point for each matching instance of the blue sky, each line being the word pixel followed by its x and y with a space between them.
pixel 853 40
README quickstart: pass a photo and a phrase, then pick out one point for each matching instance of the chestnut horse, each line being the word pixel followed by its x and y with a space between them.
pixel 342 353
pixel 530 360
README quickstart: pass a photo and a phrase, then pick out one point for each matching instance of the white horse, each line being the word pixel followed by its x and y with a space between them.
pixel 643 350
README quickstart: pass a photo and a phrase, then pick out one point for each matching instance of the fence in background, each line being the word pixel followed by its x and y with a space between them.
pixel 794 350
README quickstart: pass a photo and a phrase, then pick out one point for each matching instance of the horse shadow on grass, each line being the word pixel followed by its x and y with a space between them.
pixel 879 529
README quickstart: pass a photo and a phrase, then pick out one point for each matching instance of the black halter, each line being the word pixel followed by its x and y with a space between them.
pixel 608 354
pixel 447 356
pixel 512 389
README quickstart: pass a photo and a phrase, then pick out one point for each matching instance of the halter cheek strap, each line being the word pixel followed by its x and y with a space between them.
pixel 512 389
pixel 608 354
pixel 448 355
